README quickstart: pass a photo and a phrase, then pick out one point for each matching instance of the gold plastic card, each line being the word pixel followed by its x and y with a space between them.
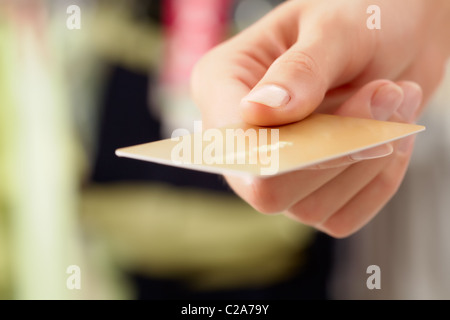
pixel 244 149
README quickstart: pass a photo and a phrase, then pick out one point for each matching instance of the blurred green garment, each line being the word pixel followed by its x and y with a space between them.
pixel 6 128
pixel 37 167
pixel 39 227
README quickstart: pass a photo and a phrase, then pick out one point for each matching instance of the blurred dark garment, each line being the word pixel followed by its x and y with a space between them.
pixel 126 120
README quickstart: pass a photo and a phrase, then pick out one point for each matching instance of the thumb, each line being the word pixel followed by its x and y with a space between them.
pixel 292 88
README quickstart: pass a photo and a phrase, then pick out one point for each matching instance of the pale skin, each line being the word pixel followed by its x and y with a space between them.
pixel 319 56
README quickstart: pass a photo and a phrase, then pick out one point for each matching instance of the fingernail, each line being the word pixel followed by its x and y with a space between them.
pixel 386 101
pixel 269 95
pixel 373 153
pixel 412 97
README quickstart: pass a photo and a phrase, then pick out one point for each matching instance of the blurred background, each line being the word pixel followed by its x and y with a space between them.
pixel 76 83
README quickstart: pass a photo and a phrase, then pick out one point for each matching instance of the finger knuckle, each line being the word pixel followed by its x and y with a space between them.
pixel 310 213
pixel 301 62
pixel 264 198
pixel 201 69
pixel 387 185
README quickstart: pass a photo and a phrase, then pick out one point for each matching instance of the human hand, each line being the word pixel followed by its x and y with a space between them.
pixel 314 56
